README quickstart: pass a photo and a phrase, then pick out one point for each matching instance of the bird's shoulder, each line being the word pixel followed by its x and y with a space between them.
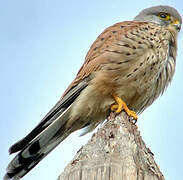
pixel 101 48
pixel 109 36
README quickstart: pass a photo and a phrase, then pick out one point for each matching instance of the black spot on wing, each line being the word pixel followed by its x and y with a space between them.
pixel 34 148
pixel 25 164
pixel 48 119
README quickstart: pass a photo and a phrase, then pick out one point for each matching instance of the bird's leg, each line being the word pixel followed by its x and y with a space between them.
pixel 117 108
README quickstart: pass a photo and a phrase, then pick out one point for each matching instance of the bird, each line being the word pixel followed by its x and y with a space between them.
pixel 127 68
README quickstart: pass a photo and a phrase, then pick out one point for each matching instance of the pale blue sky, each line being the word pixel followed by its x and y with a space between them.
pixel 43 44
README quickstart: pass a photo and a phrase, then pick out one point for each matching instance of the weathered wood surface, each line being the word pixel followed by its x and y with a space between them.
pixel 115 152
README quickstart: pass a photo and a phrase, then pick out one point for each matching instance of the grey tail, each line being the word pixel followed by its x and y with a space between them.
pixel 44 137
pixel 38 148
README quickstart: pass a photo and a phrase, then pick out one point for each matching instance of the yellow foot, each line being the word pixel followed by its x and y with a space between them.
pixel 117 108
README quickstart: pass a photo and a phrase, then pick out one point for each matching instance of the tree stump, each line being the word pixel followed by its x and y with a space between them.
pixel 115 152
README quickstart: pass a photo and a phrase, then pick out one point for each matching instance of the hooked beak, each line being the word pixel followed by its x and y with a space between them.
pixel 177 25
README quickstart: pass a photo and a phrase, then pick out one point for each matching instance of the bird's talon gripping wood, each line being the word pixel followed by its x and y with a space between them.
pixel 132 114
pixel 114 107
pixel 121 105
pixel 117 108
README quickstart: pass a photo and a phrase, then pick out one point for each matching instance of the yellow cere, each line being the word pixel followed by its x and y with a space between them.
pixel 176 22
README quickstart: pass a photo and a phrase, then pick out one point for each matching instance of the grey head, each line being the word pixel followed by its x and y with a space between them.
pixel 163 15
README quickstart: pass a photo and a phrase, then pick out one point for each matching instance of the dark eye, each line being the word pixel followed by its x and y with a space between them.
pixel 164 16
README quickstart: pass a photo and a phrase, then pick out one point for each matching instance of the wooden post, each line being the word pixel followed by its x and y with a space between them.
pixel 115 152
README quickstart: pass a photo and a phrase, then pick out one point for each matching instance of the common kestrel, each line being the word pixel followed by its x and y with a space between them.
pixel 128 66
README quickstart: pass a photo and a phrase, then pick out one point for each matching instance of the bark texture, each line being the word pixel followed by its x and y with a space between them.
pixel 115 152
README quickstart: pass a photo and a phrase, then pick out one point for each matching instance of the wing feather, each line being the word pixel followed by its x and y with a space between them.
pixel 56 111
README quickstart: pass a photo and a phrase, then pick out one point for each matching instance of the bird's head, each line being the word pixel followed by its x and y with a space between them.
pixel 163 15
